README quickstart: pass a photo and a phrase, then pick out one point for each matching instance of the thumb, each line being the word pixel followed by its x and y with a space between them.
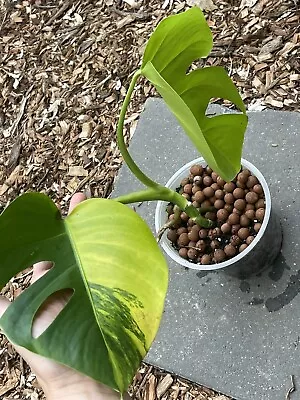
pixel 76 199
pixel 4 304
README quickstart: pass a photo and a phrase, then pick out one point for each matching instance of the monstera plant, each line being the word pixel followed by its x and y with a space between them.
pixel 103 251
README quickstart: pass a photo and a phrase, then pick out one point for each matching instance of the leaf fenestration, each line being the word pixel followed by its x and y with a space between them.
pixel 175 44
pixel 109 323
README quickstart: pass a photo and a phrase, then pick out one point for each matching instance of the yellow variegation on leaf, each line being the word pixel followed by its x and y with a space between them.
pixel 106 253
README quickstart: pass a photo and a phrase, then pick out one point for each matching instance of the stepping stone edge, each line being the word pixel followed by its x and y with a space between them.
pixel 239 337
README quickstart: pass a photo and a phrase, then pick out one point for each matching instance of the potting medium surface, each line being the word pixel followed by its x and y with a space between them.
pixel 241 338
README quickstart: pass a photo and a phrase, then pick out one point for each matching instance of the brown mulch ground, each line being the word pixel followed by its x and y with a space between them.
pixel 64 70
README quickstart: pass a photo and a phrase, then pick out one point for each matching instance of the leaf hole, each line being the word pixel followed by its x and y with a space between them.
pixel 23 279
pixel 210 114
pixel 20 282
pixel 40 269
pixel 229 106
pixel 49 311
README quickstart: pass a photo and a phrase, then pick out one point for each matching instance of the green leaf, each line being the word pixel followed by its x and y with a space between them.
pixel 175 44
pixel 106 253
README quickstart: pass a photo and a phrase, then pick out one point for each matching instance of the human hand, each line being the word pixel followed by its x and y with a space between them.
pixel 58 381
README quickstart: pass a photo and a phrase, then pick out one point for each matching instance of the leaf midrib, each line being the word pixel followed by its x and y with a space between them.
pixel 191 137
pixel 85 282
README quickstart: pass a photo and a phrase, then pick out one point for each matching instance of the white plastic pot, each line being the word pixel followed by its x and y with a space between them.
pixel 259 255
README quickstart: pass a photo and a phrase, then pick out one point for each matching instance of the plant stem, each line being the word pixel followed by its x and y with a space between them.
pixel 169 223
pixel 120 138
pixel 166 194
pixel 162 193
pixel 155 191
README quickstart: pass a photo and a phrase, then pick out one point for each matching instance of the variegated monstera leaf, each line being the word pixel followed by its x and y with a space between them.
pixel 106 254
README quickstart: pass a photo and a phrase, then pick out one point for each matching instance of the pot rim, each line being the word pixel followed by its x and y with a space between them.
pixel 174 254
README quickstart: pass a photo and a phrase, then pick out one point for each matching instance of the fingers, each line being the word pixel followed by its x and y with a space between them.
pixel 49 310
pixel 4 303
pixel 39 269
pixel 76 199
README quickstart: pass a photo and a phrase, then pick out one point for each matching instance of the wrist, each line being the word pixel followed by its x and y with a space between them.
pixel 80 389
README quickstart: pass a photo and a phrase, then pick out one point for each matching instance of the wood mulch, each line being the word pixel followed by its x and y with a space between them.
pixel 64 70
